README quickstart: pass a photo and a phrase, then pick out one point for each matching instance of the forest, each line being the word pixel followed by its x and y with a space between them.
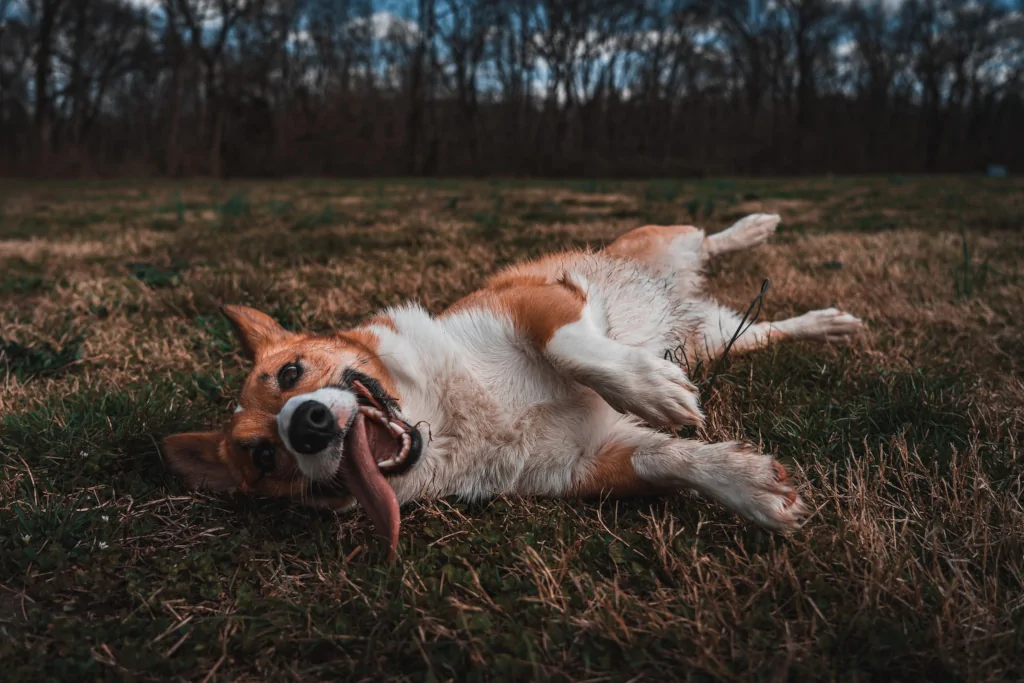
pixel 578 88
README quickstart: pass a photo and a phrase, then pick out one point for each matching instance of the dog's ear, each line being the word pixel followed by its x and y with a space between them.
pixel 256 331
pixel 196 457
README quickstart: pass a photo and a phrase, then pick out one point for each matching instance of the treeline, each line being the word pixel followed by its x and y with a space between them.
pixel 509 87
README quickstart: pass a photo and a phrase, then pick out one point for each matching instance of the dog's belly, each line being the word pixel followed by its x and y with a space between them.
pixel 507 423
pixel 542 427
pixel 565 435
pixel 534 451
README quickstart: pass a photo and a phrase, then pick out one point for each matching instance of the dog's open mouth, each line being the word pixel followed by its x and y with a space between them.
pixel 396 445
pixel 391 440
pixel 377 444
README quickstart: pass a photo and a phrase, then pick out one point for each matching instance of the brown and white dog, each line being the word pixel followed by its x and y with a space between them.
pixel 549 381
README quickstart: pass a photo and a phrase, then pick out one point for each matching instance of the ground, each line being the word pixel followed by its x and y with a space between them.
pixel 908 443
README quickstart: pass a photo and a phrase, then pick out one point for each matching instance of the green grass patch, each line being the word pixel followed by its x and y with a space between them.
pixel 279 207
pixel 323 218
pixel 806 407
pixel 489 226
pixel 591 186
pixel 27 361
pixel 24 284
pixel 26 227
pixel 237 206
pixel 662 191
pixel 549 212
pixel 700 209
pixel 158 277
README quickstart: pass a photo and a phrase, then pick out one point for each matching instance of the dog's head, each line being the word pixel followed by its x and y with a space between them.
pixel 316 416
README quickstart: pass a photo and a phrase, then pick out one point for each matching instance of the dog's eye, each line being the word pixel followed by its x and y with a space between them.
pixel 288 376
pixel 263 458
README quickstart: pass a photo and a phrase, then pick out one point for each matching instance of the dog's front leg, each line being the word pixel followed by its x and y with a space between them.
pixel 632 380
pixel 565 326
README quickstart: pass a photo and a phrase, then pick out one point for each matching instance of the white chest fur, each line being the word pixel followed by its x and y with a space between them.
pixel 494 416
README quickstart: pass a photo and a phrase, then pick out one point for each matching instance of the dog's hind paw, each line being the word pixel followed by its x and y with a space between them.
pixel 828 325
pixel 756 486
pixel 748 232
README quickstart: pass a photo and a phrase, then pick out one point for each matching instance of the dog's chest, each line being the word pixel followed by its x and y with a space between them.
pixel 485 402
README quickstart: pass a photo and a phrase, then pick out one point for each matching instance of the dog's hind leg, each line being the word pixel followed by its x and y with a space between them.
pixel 678 248
pixel 719 325
pixel 746 233
pixel 635 460
pixel 682 247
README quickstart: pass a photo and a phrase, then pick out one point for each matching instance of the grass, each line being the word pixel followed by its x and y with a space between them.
pixel 908 443
pixel 21 361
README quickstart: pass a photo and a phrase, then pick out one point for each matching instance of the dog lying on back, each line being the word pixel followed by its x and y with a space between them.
pixel 549 381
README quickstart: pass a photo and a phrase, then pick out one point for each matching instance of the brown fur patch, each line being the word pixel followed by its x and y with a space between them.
pixel 538 296
pixel 536 307
pixel 613 474
pixel 539 312
pixel 644 244
pixel 543 270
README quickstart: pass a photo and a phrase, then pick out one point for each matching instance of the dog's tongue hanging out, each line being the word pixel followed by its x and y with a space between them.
pixel 367 483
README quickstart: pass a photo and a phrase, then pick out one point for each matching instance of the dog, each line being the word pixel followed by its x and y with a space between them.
pixel 550 381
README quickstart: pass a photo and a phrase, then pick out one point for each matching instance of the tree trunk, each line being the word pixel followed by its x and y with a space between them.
pixel 44 54
pixel 216 155
pixel 172 158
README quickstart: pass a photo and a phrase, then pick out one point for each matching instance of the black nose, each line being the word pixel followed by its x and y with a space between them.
pixel 312 428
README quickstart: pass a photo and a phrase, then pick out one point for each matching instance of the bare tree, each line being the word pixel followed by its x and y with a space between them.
pixel 46 16
pixel 463 31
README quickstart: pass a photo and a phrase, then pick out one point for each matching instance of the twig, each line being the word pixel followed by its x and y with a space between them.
pixel 678 354
pixel 740 329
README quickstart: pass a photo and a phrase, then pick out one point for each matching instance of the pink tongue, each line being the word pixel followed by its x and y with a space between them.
pixel 368 485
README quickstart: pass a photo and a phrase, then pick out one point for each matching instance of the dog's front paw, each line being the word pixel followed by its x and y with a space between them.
pixel 658 392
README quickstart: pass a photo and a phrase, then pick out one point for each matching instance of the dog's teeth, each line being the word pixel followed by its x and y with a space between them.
pixel 387 463
pixel 396 429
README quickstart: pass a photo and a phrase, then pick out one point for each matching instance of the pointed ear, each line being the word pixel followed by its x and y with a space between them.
pixel 255 330
pixel 196 457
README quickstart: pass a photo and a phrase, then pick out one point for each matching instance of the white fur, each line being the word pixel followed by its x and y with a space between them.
pixel 323 466
pixel 500 415
pixel 828 325
pixel 747 233
pixel 631 379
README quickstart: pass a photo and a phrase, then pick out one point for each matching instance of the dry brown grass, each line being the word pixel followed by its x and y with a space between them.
pixel 908 443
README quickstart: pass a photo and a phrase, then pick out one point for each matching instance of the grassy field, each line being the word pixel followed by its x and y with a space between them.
pixel 908 443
